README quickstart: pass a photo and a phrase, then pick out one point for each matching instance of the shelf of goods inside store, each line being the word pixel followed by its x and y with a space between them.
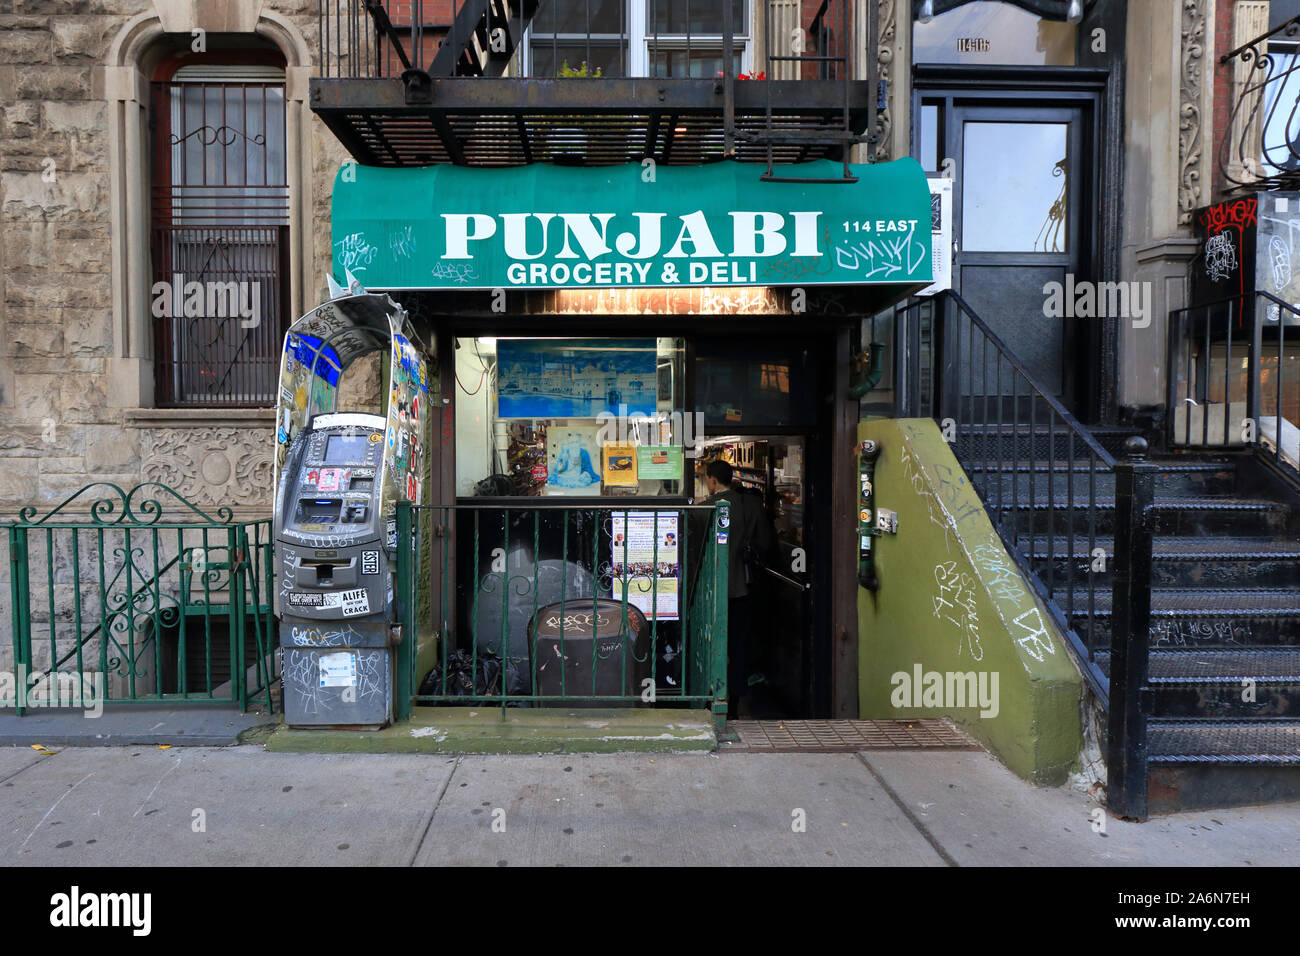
pixel 750 477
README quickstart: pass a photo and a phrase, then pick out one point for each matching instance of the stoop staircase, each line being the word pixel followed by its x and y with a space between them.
pixel 1175 576
pixel 1222 695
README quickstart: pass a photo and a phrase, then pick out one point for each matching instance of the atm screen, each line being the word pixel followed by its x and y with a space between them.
pixel 345 449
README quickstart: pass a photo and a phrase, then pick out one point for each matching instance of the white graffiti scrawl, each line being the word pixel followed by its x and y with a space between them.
pixel 883 257
pixel 1220 257
pixel 354 253
pixel 954 601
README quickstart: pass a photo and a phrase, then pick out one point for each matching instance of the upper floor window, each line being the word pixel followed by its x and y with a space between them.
pixel 992 33
pixel 617 38
pixel 219 233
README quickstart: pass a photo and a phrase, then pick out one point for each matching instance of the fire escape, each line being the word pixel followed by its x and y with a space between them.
pixel 497 83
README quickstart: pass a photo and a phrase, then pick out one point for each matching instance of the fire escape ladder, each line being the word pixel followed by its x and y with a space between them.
pixel 789 57
pixel 483 37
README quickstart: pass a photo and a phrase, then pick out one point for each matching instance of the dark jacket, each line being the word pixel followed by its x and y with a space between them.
pixel 750 538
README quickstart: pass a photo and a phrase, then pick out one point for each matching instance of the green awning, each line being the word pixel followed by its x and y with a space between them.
pixel 631 226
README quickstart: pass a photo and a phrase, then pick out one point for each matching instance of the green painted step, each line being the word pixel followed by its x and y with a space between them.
pixel 519 730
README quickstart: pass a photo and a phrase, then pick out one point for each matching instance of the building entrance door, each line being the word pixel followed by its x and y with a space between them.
pixel 1020 217
pixel 1025 180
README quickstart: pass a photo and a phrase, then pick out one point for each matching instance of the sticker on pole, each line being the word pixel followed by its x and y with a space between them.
pixel 354 602
pixel 338 670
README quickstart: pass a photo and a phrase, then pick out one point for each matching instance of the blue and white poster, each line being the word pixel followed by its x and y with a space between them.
pixel 575 378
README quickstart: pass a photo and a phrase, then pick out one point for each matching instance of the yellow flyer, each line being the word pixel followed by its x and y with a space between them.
pixel 619 465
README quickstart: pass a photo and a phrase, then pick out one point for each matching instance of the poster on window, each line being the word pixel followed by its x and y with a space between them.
pixel 576 378
pixel 643 557
pixel 573 460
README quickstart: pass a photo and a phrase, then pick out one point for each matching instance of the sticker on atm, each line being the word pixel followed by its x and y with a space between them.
pixel 369 562
pixel 332 478
pixel 309 599
pixel 338 670
pixel 356 601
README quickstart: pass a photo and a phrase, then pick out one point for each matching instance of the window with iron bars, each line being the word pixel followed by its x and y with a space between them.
pixel 219 235
pixel 620 38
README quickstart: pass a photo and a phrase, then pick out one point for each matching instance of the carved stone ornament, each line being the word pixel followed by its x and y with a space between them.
pixel 888 25
pixel 212 465
pixel 1190 114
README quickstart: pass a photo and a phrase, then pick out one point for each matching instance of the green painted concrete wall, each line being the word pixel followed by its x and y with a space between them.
pixel 952 600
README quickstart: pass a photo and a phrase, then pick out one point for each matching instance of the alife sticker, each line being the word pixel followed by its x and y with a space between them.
pixel 356 601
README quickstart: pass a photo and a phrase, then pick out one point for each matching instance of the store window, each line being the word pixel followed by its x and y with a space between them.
pixel 754 384
pixel 570 417
pixel 992 33
pixel 616 38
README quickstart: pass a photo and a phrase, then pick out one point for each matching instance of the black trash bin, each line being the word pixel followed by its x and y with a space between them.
pixel 621 658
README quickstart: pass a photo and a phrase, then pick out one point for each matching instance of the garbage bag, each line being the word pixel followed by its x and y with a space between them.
pixel 467 677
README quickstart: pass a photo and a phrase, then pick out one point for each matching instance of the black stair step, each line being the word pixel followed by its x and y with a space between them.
pixel 1200 682
pixel 1201 666
pixel 1209 602
pixel 999 482
pixel 1180 548
pixel 1061 444
pixel 1172 514
pixel 1175 741
pixel 1166 465
pixel 1200 617
pixel 1180 561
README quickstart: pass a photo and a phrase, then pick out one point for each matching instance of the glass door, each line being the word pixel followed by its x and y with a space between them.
pixel 1020 221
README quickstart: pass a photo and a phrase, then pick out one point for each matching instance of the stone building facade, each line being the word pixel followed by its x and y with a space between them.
pixel 77 360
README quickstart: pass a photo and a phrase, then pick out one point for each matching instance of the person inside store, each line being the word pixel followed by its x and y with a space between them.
pixel 750 542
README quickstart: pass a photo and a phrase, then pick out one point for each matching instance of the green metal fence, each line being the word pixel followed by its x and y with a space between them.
pixel 139 596
pixel 562 606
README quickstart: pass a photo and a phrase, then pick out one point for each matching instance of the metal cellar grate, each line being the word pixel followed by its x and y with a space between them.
pixel 840 736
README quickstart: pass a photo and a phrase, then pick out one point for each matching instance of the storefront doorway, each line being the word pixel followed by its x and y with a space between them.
pixel 762 414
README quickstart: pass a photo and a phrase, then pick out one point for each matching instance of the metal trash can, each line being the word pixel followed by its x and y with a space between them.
pixel 595 640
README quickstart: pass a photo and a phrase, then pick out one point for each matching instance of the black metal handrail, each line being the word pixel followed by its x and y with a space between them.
pixel 1007 428
pixel 1003 422
pixel 1248 156
pixel 1204 379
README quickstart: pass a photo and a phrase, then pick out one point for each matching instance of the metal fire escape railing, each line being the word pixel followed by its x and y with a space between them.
pixel 511 82
pixel 1047 483
pixel 831 32
pixel 1261 147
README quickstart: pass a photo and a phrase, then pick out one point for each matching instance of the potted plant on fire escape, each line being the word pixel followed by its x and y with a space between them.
pixel 567 145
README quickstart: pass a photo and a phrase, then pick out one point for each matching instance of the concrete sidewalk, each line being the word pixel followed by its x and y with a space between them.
pixel 246 806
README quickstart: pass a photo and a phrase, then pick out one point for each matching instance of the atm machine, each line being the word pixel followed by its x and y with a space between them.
pixel 339 475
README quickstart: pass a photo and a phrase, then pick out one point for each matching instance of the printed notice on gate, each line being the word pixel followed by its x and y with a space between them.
pixel 644 554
